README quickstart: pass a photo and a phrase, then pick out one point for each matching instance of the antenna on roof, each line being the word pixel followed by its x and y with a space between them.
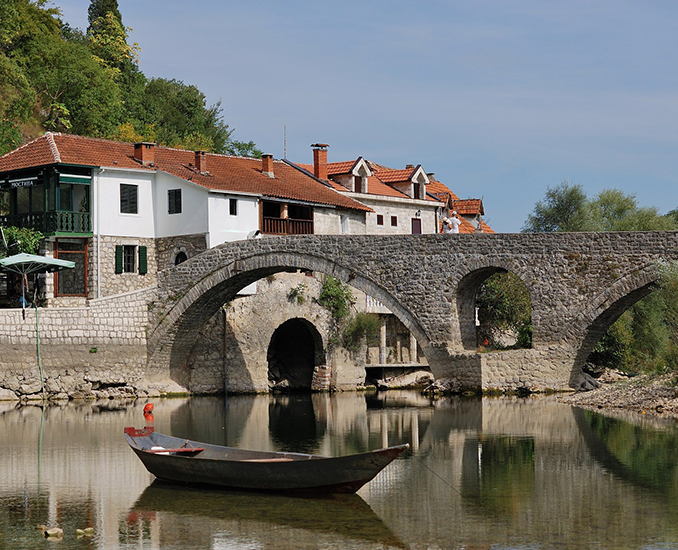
pixel 285 141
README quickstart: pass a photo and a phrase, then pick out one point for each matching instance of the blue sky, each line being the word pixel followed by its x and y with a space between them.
pixel 500 99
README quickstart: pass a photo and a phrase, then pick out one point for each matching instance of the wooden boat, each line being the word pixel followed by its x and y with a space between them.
pixel 182 460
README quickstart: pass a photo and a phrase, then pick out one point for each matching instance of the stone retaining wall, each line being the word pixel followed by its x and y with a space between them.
pixel 94 351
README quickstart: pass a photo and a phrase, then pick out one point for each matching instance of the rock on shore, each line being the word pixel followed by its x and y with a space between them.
pixel 643 394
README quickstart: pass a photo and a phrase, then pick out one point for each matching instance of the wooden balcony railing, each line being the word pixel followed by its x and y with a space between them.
pixel 286 226
pixel 51 223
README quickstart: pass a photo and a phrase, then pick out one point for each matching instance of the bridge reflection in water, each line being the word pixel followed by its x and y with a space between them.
pixel 509 473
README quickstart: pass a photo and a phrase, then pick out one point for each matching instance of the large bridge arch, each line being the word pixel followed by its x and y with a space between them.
pixel 177 329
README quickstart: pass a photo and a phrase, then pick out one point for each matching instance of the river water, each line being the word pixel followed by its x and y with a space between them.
pixel 499 473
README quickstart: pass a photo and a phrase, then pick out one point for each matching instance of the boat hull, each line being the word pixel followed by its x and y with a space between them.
pixel 174 459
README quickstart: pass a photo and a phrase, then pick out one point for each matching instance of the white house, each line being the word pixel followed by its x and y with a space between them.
pixel 124 211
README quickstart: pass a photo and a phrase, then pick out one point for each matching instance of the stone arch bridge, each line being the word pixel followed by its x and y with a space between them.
pixel 579 284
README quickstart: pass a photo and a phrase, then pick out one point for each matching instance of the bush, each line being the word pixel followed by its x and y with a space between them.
pixel 336 297
pixel 363 324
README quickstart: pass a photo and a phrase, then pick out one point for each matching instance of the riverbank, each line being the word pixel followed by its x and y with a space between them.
pixel 644 394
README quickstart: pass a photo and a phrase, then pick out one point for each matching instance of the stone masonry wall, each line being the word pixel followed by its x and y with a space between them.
pixel 94 351
pixel 167 248
pixel 113 283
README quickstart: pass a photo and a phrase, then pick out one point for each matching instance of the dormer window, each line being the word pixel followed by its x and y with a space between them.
pixel 360 184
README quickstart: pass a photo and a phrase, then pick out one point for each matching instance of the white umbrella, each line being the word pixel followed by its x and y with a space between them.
pixel 23 264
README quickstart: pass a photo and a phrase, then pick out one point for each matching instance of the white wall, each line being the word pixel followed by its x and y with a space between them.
pixel 404 209
pixel 193 217
pixel 106 216
pixel 328 221
pixel 222 226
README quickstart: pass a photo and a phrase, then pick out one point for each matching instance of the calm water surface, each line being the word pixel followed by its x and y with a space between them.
pixel 493 473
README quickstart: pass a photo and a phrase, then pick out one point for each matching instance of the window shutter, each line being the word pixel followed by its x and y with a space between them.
pixel 143 265
pixel 118 258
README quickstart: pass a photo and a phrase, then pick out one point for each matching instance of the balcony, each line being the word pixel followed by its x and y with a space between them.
pixel 287 226
pixel 52 223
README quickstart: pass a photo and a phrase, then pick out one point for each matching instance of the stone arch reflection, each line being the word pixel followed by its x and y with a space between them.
pixel 293 423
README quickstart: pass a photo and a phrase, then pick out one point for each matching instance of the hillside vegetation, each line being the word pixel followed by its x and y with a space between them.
pixel 88 82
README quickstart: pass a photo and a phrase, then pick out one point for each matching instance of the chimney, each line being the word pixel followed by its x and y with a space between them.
pixel 409 167
pixel 267 165
pixel 144 152
pixel 200 161
pixel 320 160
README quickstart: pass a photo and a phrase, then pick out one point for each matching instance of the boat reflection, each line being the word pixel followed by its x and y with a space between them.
pixel 167 512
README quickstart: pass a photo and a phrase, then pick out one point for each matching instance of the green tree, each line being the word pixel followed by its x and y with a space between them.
pixel 54 77
pixel 101 8
pixel 504 304
pixel 20 239
pixel 336 297
pixel 565 208
pixel 108 43
pixel 180 114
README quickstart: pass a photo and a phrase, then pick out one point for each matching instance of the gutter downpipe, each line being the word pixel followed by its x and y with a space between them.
pixel 97 236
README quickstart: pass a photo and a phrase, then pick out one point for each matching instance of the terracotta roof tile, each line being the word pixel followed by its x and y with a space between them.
pixel 334 168
pixel 439 189
pixel 468 207
pixel 395 176
pixel 225 173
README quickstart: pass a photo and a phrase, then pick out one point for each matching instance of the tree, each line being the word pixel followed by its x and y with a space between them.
pixel 101 8
pixel 181 116
pixel 504 305
pixel 54 77
pixel 565 208
pixel 108 43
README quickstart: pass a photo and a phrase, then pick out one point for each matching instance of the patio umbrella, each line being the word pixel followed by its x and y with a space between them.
pixel 23 264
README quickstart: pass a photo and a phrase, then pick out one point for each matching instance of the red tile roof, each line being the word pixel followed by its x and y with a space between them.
pixel 441 191
pixel 224 172
pixel 334 168
pixel 395 176
pixel 468 207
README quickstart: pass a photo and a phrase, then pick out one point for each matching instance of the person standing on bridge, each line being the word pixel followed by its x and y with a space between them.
pixel 451 225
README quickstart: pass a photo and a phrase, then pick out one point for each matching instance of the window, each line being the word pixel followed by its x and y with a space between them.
pixel 71 282
pixel 380 219
pixel 128 260
pixel 180 258
pixel 129 198
pixel 174 201
pixel 233 207
pixel 394 221
pixel 66 198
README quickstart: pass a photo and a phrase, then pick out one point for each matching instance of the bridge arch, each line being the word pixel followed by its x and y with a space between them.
pixel 598 315
pixel 175 332
pixel 294 350
pixel 477 272
pixel 427 281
